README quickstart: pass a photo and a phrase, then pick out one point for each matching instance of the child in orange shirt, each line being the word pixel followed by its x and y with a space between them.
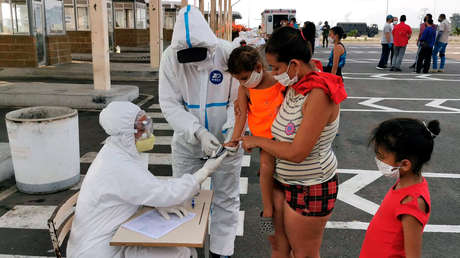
pixel 259 98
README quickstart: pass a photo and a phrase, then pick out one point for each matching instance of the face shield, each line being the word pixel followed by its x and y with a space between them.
pixel 145 140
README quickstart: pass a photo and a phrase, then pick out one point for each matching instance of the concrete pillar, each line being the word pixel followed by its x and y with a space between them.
pixel 212 15
pixel 156 32
pixel 202 6
pixel 184 3
pixel 100 44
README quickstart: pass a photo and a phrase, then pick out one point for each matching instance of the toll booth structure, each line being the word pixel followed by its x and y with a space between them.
pixel 32 33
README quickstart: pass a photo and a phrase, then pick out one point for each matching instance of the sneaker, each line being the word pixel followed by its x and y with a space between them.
pixel 392 69
pixel 379 68
pixel 398 70
pixel 433 71
pixel 440 70
pixel 266 226
pixel 412 66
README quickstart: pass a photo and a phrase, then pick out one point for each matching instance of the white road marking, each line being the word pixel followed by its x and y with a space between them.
pixel 161 126
pixel 156 159
pixel 155 115
pixel 147 99
pixel 24 256
pixel 359 225
pixel 371 103
pixel 434 103
pixel 27 217
pixel 159 140
pixel 155 106
pixel 5 194
pixel 240 228
pixel 437 103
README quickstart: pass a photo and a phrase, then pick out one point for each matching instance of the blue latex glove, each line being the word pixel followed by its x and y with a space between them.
pixel 390 45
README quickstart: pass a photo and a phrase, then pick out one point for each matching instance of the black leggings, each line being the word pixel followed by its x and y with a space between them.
pixel 424 59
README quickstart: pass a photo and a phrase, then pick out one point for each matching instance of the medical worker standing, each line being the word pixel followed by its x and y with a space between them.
pixel 196 96
pixel 118 183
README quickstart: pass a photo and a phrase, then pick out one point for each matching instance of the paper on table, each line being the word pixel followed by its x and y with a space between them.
pixel 153 225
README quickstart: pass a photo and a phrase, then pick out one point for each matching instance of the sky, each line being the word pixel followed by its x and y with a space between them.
pixel 369 11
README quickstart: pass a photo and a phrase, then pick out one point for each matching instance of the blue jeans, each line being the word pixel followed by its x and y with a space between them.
pixel 440 48
pixel 399 55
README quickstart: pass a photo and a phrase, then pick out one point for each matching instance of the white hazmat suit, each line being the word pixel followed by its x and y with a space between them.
pixel 116 185
pixel 197 96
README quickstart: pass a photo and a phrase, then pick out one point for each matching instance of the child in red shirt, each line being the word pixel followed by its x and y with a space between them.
pixel 402 146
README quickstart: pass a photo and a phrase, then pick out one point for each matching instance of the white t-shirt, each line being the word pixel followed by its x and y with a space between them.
pixel 387 28
pixel 445 28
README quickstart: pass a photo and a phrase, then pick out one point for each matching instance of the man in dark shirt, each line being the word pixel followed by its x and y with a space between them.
pixel 426 42
pixel 326 29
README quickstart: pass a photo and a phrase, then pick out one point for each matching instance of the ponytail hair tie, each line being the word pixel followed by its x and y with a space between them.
pixel 428 129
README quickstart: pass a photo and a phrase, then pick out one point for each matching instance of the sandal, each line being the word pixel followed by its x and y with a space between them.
pixel 266 225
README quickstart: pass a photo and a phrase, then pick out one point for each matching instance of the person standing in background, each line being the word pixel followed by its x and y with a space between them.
pixel 440 44
pixel 293 23
pixel 392 47
pixel 427 42
pixel 325 30
pixel 338 53
pixel 387 43
pixel 422 28
pixel 309 33
pixel 401 35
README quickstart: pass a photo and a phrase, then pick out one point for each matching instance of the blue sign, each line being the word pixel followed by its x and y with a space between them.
pixel 216 77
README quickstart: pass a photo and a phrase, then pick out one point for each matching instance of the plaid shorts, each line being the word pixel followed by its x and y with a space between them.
pixel 313 200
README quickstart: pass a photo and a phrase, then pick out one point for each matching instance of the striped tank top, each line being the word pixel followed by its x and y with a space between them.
pixel 321 164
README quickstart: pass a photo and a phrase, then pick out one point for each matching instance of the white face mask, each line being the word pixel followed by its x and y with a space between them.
pixel 395 22
pixel 284 79
pixel 331 39
pixel 387 170
pixel 253 80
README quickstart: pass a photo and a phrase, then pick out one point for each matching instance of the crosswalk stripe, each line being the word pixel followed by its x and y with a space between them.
pixel 157 159
pixel 155 115
pixel 21 256
pixel 161 126
pixel 155 106
pixel 8 192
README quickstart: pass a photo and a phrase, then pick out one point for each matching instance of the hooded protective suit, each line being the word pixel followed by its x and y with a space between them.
pixel 116 185
pixel 201 95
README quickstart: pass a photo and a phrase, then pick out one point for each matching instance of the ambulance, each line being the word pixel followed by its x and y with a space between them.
pixel 273 19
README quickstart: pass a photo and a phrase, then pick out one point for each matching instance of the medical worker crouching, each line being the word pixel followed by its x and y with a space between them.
pixel 118 182
pixel 196 96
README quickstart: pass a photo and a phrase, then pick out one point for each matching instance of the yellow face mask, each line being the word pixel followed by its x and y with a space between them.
pixel 143 145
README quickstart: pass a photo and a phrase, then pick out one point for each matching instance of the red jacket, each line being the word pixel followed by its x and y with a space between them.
pixel 401 34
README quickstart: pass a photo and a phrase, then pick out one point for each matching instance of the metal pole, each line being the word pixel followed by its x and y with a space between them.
pixel 230 20
pixel 387 7
pixel 225 19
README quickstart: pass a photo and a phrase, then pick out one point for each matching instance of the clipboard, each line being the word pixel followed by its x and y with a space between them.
pixel 190 234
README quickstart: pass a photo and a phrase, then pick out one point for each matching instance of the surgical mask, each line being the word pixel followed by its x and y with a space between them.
pixel 395 22
pixel 387 170
pixel 253 80
pixel 284 79
pixel 331 39
pixel 147 140
pixel 145 143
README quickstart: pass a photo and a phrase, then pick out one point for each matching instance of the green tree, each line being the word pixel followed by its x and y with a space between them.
pixel 353 33
pixel 455 21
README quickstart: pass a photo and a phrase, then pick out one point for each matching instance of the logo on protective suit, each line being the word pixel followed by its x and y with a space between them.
pixel 216 77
